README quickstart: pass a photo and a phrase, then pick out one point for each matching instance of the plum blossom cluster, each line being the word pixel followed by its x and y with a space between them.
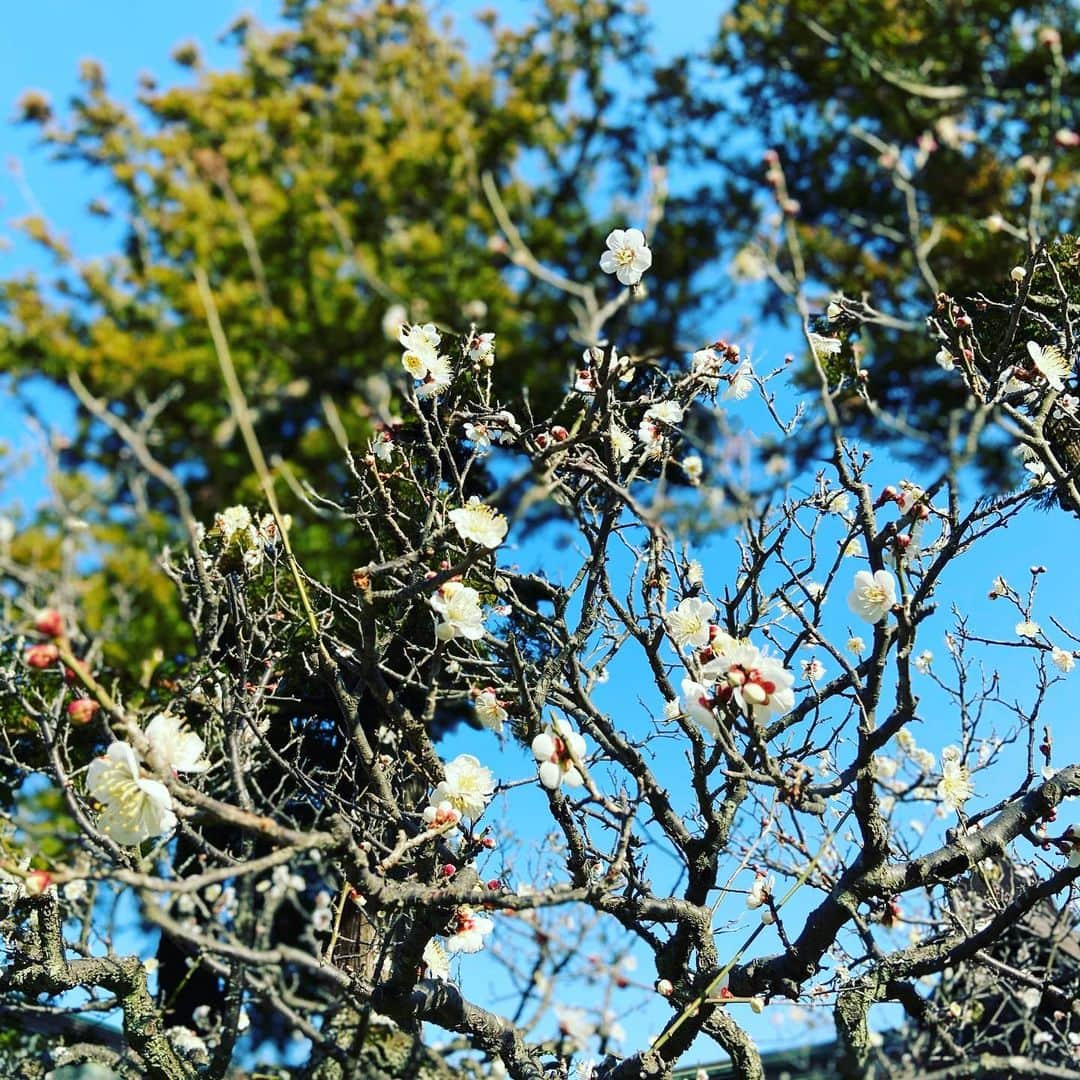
pixel 560 754
pixel 432 369
pixel 464 792
pixel 730 672
pixel 133 805
pixel 237 541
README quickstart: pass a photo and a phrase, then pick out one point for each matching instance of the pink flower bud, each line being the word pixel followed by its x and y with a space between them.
pixel 488 842
pixel 495 885
pixel 559 433
pixel 42 656
pixel 82 710
pixel 449 870
pixel 49 622
pixel 37 881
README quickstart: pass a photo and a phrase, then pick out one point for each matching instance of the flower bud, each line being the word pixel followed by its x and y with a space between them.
pixel 1018 273
pixel 37 881
pixel 42 656
pixel 665 988
pixel 449 870
pixel 48 621
pixel 82 710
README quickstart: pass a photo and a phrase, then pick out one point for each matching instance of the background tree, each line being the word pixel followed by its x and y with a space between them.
pixel 917 149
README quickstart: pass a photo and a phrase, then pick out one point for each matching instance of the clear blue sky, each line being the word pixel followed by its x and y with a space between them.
pixel 41 47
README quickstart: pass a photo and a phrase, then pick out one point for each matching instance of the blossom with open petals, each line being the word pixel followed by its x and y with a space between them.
pixel 419 338
pixel 458 606
pixel 490 711
pixel 468 786
pixel 480 523
pixel 1064 660
pixel 469 931
pixel 689 622
pixel 482 349
pixel 697 705
pixel 1051 363
pixel 873 596
pixel 557 751
pixel 824 347
pixel 622 443
pixel 627 255
pixel 173 749
pixel 955 787
pixel 741 382
pixel 438 377
pixel 133 808
pixel 755 681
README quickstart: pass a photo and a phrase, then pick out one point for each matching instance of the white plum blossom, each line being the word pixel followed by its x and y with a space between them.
pixel 622 443
pixel 382 447
pixel 482 349
pixel 664 413
pixel 668 412
pixel 558 750
pixel 705 364
pixel 695 573
pixel 693 466
pixel 945 360
pixel 741 382
pixel 575 1025
pixel 458 606
pixel 438 377
pixel 923 661
pixel 233 523
pixel 1028 628
pixel 1051 364
pixel 394 320
pixel 490 711
pixel 438 964
pixel 813 670
pixel 697 705
pixel 873 596
pixel 754 681
pixel 1064 660
pixel 627 255
pixel 469 932
pixel 759 892
pixel 855 645
pixel 955 787
pixel 824 347
pixel 133 807
pixel 417 338
pixel 172 749
pixel 468 786
pixel 480 523
pixel 689 622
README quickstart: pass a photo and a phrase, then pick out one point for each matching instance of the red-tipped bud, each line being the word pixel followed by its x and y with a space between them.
pixel 42 656
pixel 449 870
pixel 559 433
pixel 50 622
pixel 37 881
pixel 488 842
pixel 82 710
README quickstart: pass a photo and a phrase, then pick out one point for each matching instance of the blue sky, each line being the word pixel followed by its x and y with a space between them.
pixel 41 48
